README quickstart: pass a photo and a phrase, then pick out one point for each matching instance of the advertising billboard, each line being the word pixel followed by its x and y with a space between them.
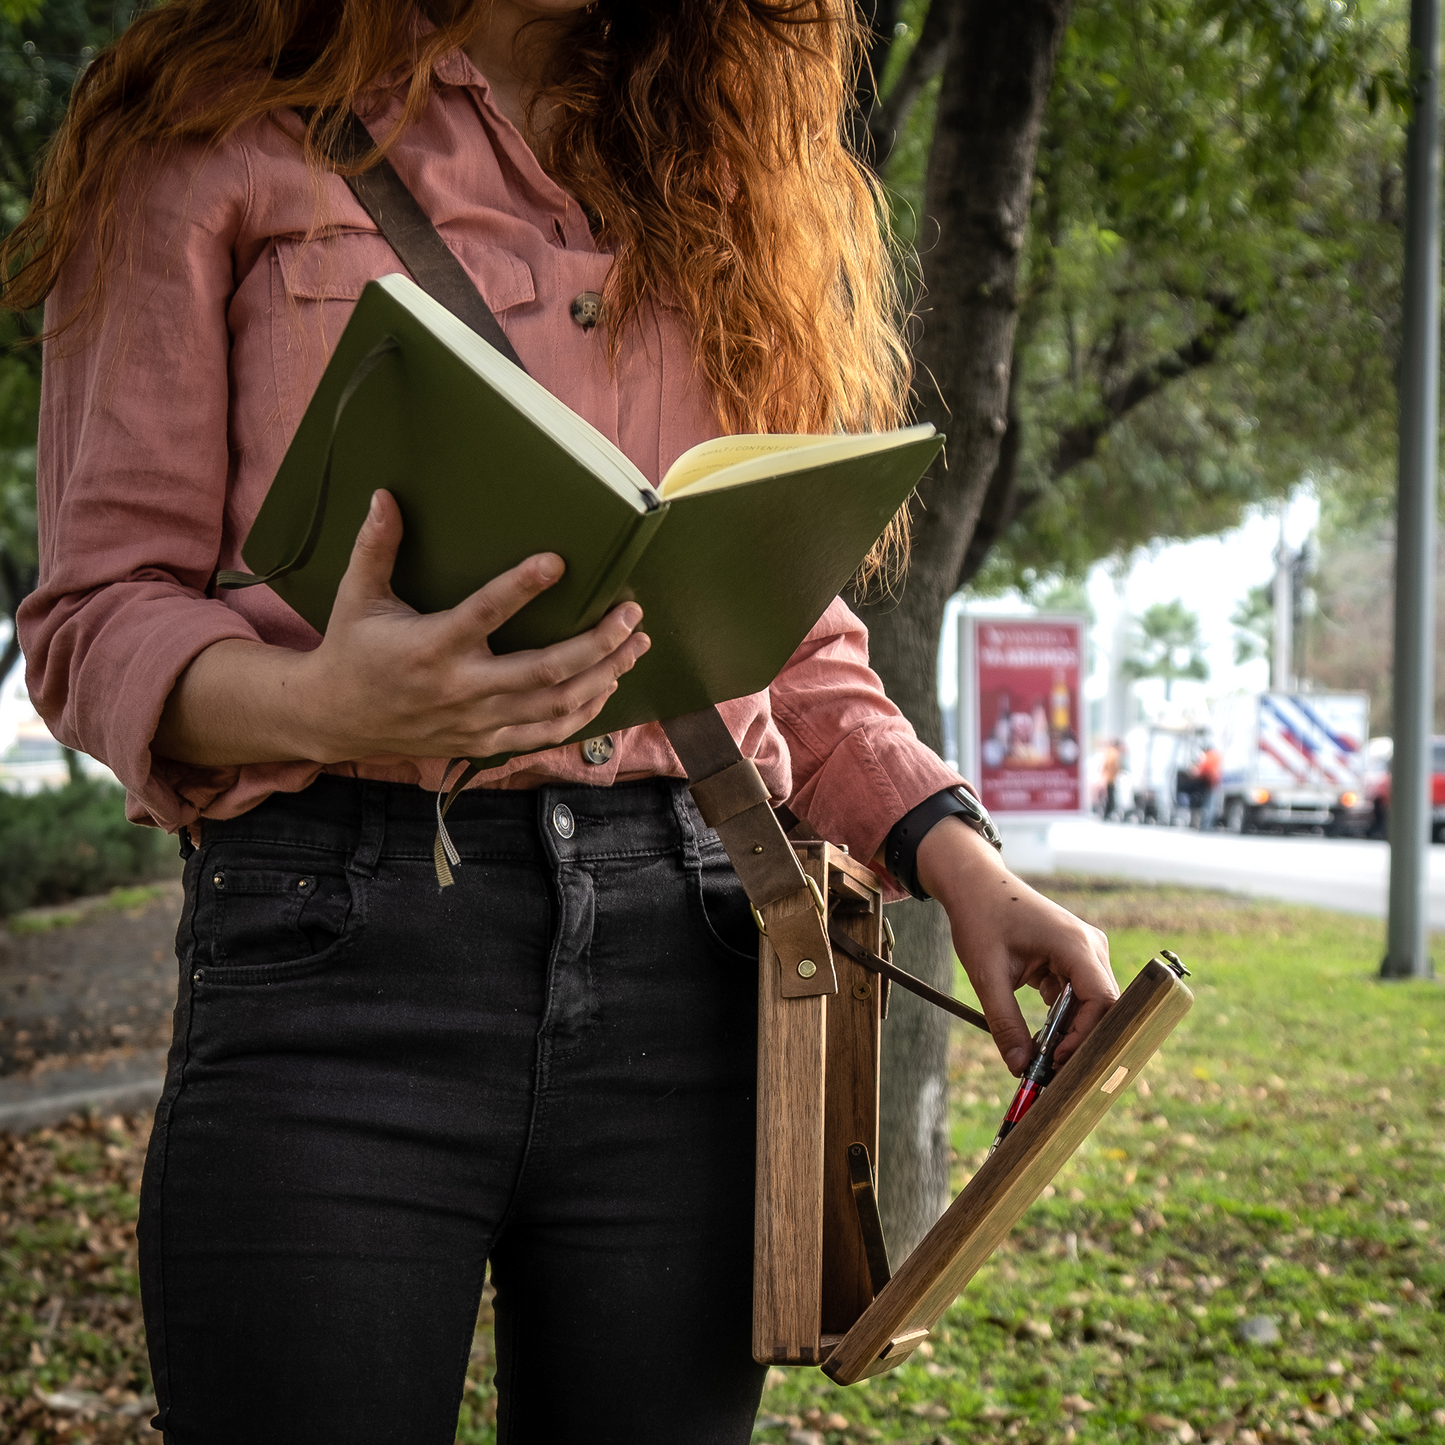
pixel 1021 715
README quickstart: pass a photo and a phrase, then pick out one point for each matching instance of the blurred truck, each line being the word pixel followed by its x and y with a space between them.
pixel 1377 787
pixel 1294 762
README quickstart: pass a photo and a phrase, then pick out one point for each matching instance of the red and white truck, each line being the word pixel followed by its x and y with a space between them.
pixel 1378 787
pixel 1294 761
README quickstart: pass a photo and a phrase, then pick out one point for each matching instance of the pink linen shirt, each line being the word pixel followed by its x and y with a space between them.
pixel 163 421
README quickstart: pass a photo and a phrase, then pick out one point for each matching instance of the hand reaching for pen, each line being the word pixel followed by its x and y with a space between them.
pixel 1006 936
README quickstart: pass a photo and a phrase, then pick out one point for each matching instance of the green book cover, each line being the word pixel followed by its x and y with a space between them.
pixel 733 558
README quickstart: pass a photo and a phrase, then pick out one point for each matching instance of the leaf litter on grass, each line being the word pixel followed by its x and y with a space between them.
pixel 1282 1159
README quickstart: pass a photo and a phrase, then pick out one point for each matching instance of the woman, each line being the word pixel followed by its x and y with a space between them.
pixel 375 1090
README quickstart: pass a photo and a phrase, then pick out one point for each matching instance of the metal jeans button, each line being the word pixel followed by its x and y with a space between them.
pixel 598 750
pixel 563 821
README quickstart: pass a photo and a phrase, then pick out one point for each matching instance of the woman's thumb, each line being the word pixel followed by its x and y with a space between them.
pixel 373 555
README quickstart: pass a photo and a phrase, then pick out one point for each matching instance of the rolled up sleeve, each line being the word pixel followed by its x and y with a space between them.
pixel 132 472
pixel 857 764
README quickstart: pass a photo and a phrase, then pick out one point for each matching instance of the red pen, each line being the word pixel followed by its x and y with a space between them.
pixel 1040 1070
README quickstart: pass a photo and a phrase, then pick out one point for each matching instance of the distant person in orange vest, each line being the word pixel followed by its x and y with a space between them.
pixel 1209 770
pixel 1113 761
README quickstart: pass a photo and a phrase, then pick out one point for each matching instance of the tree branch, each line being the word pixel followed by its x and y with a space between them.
pixel 1079 442
pixel 925 60
pixel 879 16
pixel 1003 500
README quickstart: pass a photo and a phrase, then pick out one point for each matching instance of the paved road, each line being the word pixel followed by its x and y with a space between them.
pixel 1345 873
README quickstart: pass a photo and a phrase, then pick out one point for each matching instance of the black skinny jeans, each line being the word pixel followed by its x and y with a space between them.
pixel 375 1088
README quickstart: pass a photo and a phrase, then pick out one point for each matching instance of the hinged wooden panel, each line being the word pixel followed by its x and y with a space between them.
pixel 817 1093
pixel 851 1103
pixel 932 1277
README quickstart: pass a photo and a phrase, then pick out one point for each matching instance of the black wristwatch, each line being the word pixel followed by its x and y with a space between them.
pixel 900 850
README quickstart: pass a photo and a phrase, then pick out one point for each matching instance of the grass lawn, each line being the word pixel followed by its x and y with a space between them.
pixel 1283 1160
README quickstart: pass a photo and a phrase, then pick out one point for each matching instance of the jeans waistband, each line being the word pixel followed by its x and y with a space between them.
pixel 559 822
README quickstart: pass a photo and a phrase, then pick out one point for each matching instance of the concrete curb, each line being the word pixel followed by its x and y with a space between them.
pixel 129 1087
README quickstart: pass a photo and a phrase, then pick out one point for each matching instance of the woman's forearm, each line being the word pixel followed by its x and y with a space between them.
pixel 241 702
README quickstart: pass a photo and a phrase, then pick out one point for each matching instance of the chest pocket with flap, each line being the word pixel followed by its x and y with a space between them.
pixel 316 284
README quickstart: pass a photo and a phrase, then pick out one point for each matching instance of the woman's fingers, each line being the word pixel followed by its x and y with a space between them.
pixel 555 703
pixel 1085 963
pixel 534 736
pixel 475 618
pixel 993 982
pixel 612 644
pixel 367 579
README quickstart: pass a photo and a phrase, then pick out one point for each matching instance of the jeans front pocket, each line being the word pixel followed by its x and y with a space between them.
pixel 720 904
pixel 260 921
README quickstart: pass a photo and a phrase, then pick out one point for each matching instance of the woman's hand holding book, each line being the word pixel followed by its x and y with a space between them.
pixel 388 679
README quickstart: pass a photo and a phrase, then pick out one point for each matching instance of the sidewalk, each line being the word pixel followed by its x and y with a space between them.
pixel 86 994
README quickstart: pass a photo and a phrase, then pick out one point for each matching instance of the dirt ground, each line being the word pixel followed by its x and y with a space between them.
pixel 91 982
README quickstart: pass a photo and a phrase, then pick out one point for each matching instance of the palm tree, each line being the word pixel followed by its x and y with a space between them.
pixel 1167 644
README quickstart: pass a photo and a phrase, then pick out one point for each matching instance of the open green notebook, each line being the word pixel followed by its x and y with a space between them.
pixel 733 558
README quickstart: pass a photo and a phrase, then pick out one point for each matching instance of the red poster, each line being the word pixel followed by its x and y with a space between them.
pixel 1028 742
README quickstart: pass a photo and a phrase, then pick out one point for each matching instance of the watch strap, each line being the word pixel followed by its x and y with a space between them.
pixel 900 849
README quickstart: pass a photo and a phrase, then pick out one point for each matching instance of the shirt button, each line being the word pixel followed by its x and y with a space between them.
pixel 598 750
pixel 587 310
pixel 563 821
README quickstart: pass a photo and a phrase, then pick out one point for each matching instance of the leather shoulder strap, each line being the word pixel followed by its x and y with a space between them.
pixel 432 263
pixel 726 787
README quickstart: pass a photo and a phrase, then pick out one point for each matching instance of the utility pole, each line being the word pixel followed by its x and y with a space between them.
pixel 1281 679
pixel 1407 953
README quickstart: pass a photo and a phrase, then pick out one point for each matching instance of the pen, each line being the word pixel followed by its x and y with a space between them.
pixel 1041 1065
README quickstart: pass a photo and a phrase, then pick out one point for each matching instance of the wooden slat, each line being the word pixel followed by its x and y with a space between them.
pixel 851 867
pixel 977 1221
pixel 788 1243
pixel 848 890
pixel 851 1109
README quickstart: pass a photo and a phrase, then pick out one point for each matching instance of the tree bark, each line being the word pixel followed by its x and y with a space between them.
pixel 17 581
pixel 980 177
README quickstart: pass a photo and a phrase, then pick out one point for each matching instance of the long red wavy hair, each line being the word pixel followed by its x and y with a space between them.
pixel 706 137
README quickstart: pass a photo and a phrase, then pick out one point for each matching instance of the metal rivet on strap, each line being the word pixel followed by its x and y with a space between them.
pixel 563 821
pixel 807 968
pixel 598 750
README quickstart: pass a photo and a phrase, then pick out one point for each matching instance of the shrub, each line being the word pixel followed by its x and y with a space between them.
pixel 72 841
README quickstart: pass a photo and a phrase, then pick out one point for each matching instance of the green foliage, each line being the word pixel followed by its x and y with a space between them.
pixel 1167 645
pixel 16 11
pixel 44 47
pixel 1210 298
pixel 71 842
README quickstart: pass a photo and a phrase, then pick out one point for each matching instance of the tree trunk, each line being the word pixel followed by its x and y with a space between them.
pixel 979 183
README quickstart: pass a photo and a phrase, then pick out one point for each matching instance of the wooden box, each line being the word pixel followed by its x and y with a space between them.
pixel 818 1248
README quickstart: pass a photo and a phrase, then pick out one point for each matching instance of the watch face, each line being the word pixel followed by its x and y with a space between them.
pixel 979 815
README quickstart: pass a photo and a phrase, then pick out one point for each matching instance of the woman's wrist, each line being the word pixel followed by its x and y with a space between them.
pixel 952 860
pixel 241 702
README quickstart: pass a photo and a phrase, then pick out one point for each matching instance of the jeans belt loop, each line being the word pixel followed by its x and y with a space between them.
pixel 366 854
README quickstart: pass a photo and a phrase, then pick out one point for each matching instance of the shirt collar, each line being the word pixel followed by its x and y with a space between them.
pixel 451 67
